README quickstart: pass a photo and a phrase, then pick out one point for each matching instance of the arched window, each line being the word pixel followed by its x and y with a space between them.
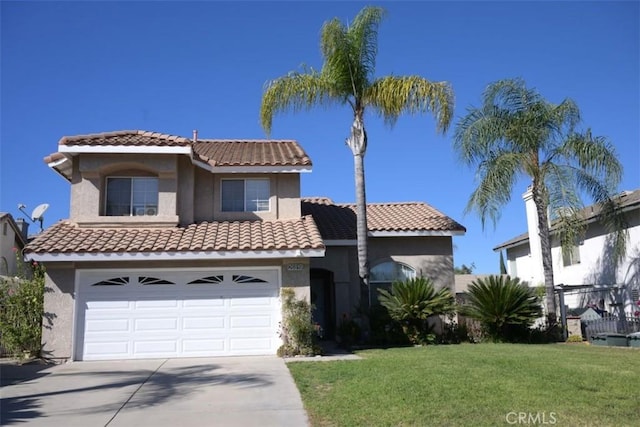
pixel 383 275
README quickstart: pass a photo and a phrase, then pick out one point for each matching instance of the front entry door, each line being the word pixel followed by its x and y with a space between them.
pixel 322 297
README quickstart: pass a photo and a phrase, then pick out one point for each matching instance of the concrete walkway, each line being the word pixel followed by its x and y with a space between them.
pixel 238 391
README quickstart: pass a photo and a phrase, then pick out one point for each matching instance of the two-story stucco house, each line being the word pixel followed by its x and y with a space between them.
pixel 588 263
pixel 13 238
pixel 179 247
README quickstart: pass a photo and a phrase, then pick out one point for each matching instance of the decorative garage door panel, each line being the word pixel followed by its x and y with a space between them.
pixel 138 314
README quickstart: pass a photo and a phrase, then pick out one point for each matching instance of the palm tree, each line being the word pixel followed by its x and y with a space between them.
pixel 413 302
pixel 347 77
pixel 518 133
pixel 505 307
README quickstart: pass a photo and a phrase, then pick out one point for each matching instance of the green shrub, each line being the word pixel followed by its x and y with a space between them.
pixel 505 307
pixel 348 331
pixel 412 302
pixel 454 332
pixel 384 330
pixel 21 311
pixel 297 329
pixel 574 338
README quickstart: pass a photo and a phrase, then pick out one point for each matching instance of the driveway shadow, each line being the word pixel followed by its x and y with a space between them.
pixel 12 372
pixel 154 388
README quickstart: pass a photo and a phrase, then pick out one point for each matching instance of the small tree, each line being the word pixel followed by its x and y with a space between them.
pixel 464 269
pixel 413 302
pixel 297 330
pixel 505 307
pixel 21 311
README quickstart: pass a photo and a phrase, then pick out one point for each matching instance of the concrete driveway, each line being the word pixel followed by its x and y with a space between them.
pixel 234 391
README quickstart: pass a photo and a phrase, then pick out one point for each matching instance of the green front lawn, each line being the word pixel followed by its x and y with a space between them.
pixel 481 384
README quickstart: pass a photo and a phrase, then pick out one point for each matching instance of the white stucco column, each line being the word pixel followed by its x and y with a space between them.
pixel 534 274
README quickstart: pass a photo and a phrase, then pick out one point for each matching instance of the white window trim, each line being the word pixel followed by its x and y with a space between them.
pixel 131 200
pixel 244 181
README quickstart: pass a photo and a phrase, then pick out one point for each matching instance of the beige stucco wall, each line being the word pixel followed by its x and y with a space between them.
pixel 187 193
pixel 288 195
pixel 295 274
pixel 57 325
pixel 430 256
pixel 284 201
pixel 203 195
pixel 89 179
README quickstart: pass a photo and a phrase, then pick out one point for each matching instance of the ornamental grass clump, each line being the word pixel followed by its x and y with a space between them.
pixel 505 307
pixel 412 303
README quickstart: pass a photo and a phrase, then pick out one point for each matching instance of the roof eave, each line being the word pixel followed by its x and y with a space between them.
pixel 416 233
pixel 63 168
pixel 180 256
pixel 251 169
pixel 123 149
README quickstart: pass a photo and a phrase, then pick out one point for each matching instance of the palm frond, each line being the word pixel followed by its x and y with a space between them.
pixel 480 131
pixel 415 299
pixel 363 37
pixel 412 302
pixel 511 94
pixel 295 91
pixel 497 175
pixel 339 67
pixel 392 96
pixel 594 155
pixel 501 303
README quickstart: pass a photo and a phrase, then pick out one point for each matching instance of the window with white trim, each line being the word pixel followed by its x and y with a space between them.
pixel 131 196
pixel 571 256
pixel 245 195
pixel 384 274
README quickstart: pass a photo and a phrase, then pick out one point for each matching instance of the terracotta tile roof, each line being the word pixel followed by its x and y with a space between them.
pixel 627 199
pixel 128 138
pixel 338 221
pixel 66 237
pixel 215 152
pixel 250 153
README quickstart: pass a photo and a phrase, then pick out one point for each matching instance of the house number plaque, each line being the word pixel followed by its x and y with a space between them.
pixel 295 267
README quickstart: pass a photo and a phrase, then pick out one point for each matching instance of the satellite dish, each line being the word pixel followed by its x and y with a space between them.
pixel 38 213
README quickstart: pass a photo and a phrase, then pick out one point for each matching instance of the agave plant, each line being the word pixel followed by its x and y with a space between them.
pixel 504 306
pixel 413 302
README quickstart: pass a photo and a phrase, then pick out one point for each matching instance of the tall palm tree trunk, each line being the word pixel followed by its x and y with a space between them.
pixel 540 201
pixel 357 142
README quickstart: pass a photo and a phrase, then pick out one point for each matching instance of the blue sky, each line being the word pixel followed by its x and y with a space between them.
pixel 71 68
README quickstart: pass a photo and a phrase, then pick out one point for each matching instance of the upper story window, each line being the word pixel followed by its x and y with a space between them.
pixel 571 256
pixel 245 195
pixel 131 196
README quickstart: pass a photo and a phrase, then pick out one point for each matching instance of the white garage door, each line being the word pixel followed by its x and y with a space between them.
pixel 125 314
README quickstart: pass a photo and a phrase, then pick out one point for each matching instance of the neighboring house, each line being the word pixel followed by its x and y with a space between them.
pixel 588 263
pixel 13 238
pixel 179 247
